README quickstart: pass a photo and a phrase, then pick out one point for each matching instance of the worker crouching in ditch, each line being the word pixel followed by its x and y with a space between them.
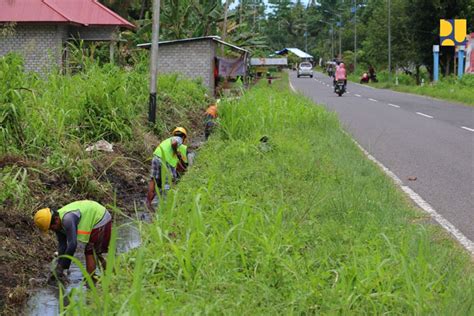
pixel 172 152
pixel 210 117
pixel 85 221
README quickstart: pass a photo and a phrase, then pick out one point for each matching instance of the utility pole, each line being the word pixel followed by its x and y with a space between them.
pixel 306 38
pixel 224 31
pixel 355 36
pixel 332 40
pixel 340 41
pixel 389 44
pixel 154 61
pixel 332 36
pixel 241 11
pixel 340 27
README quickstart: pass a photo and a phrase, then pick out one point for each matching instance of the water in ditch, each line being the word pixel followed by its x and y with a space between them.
pixel 45 301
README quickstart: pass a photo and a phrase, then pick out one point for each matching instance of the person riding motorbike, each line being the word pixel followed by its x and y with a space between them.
pixel 341 74
pixel 330 70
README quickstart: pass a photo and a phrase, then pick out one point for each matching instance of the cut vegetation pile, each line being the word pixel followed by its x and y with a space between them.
pixel 46 123
pixel 300 223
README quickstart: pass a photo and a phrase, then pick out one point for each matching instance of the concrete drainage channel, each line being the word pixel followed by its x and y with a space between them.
pixel 45 301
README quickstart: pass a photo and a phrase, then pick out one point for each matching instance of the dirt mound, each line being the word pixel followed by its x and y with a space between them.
pixel 23 253
pixel 13 160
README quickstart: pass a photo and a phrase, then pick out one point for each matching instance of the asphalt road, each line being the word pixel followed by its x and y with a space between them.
pixel 413 136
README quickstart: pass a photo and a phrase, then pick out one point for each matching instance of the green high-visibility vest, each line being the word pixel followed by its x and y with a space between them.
pixel 91 214
pixel 166 153
pixel 183 149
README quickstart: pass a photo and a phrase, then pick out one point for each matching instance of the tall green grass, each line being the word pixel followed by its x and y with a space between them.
pixel 448 88
pixel 102 102
pixel 302 225
pixel 46 123
pixel 51 119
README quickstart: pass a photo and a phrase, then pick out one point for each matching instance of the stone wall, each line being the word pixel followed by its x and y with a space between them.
pixel 43 46
pixel 40 45
pixel 192 60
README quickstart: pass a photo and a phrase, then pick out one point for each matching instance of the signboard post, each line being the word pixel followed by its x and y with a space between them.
pixel 435 63
pixel 460 61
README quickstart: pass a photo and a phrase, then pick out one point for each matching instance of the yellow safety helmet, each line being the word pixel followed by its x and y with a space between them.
pixel 180 130
pixel 43 219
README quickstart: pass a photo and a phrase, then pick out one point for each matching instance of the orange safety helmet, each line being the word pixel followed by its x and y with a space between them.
pixel 212 110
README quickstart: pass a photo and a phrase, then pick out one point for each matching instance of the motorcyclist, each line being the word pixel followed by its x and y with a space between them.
pixel 341 74
pixel 330 70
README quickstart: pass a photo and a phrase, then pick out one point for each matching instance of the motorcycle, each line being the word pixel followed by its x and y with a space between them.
pixel 340 87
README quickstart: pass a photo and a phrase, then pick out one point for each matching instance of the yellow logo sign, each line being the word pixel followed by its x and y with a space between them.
pixel 452 32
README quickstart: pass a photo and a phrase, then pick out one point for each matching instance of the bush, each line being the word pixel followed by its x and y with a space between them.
pixel 52 119
pixel 105 102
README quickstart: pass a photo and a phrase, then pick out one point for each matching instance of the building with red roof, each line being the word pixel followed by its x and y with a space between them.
pixel 40 29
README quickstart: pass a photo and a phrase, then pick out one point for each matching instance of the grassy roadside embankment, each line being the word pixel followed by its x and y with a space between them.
pixel 448 88
pixel 46 125
pixel 302 224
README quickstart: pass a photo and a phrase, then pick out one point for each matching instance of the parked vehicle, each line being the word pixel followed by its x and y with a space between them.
pixel 305 69
pixel 340 87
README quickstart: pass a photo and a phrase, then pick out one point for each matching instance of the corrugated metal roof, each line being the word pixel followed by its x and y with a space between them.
pixel 85 12
pixel 28 11
pixel 214 38
pixel 269 61
pixel 298 52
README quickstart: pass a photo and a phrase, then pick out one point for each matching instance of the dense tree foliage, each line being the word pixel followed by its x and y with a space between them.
pixel 323 27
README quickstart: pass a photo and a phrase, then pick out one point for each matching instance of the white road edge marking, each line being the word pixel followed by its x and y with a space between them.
pixel 423 114
pixel 357 95
pixel 463 240
pixel 467 128
pixel 394 105
pixel 373 100
pixel 292 88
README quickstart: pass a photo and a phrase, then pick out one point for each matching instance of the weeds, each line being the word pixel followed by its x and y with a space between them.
pixel 307 226
pixel 53 119
pixel 45 125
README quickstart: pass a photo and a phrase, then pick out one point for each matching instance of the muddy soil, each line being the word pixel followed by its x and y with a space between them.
pixel 25 253
pixel 119 178
pixel 45 300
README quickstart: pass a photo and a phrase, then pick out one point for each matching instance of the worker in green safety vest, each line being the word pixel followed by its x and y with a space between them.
pixel 166 158
pixel 182 165
pixel 85 221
